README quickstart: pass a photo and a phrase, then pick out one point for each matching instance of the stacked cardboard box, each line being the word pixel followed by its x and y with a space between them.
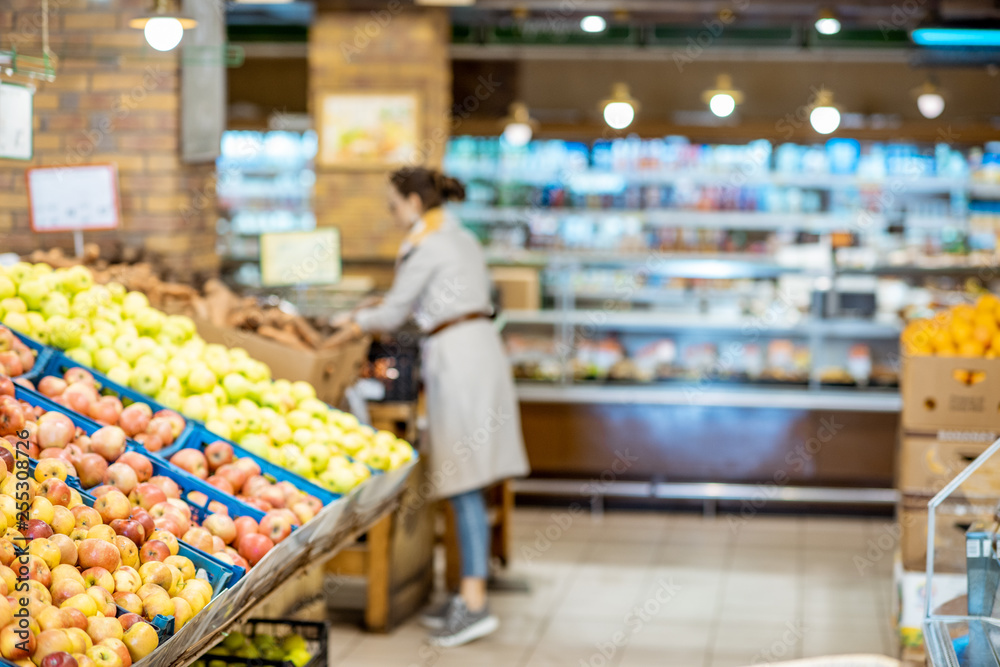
pixel 951 415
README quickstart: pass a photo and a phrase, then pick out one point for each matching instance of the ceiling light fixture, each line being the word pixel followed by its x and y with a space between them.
pixel 163 29
pixel 722 99
pixel 930 101
pixel 593 23
pixel 519 126
pixel 827 22
pixel 824 117
pixel 619 110
pixel 956 36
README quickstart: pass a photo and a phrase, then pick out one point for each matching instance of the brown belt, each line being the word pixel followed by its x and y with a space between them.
pixel 457 320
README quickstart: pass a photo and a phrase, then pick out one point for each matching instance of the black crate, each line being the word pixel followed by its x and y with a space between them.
pixel 315 634
pixel 394 361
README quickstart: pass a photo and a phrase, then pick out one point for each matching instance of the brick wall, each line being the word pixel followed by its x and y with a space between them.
pixel 395 48
pixel 114 100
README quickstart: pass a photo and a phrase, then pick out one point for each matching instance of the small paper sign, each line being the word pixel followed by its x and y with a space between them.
pixel 300 258
pixel 67 199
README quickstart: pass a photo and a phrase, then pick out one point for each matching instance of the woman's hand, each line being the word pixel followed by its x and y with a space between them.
pixel 346 333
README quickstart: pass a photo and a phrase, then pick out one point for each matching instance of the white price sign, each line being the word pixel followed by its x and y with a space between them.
pixel 300 258
pixel 66 199
pixel 16 108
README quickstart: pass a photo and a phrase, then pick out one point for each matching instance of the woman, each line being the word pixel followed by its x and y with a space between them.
pixel 474 427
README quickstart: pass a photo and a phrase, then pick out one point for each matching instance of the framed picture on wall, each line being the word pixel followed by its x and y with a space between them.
pixel 370 130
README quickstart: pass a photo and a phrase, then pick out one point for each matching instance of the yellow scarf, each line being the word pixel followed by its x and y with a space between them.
pixel 427 225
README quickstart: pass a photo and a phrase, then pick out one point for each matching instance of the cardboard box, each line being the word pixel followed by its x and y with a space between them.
pixel 329 371
pixel 953 518
pixel 910 587
pixel 951 393
pixel 928 463
pixel 518 286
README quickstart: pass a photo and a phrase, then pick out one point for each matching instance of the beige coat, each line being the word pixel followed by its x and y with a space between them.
pixel 474 422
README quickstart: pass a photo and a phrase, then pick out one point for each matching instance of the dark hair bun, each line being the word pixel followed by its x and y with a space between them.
pixel 452 189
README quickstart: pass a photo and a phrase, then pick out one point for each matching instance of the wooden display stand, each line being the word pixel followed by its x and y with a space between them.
pixel 396 557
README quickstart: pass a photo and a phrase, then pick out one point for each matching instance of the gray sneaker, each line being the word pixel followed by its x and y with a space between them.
pixel 434 616
pixel 463 626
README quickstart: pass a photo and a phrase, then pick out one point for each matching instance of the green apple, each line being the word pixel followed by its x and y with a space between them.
pixel 338 480
pixel 105 359
pixel 221 397
pixel 255 371
pixel 64 333
pixel 128 348
pixel 133 302
pixel 89 343
pixel 173 384
pixel 318 455
pixel 104 339
pixel 79 355
pixel 219 427
pixel 290 453
pixel 157 352
pixel 121 375
pixel 302 467
pixel 236 386
pixel 77 279
pixel 178 367
pixel 14 305
pixel 302 391
pixel 37 322
pixel 302 437
pixel 283 386
pixel 235 419
pixel 7 288
pixel 352 442
pixel 294 642
pixel 55 303
pixel 255 443
pixel 32 292
pixel 298 419
pixel 345 420
pixel 171 399
pixel 298 657
pixel 148 321
pixel 218 363
pixel 280 433
pixel 147 379
pixel 315 408
pixel 195 407
pixel 118 291
pixel 271 399
pixel 200 380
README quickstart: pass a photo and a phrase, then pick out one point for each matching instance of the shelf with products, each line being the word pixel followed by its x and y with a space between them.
pixel 632 195
pixel 265 185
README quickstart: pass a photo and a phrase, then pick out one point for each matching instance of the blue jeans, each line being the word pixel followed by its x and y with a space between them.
pixel 473 531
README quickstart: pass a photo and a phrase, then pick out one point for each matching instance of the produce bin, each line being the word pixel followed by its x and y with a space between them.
pixel 200 437
pixel 59 363
pixel 42 355
pixel 316 636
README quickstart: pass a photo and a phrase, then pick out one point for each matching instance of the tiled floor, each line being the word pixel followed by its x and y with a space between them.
pixel 645 589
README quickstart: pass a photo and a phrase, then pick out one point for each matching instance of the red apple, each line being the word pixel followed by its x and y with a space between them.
pixel 200 538
pixel 161 428
pixel 141 464
pixel 98 576
pixel 98 553
pixel 135 418
pixel 222 484
pixel 11 416
pixel 122 477
pixel 51 386
pixel 55 430
pixel 118 646
pixel 218 453
pixel 109 442
pixel 221 526
pixel 177 422
pixel 248 465
pixel 192 461
pixel 254 546
pixel 256 484
pixel 147 495
pixel 77 374
pixel 131 529
pixel 36 528
pixel 6 386
pixel 130 619
pixel 237 476
pixel 167 485
pixel 86 517
pixel 244 525
pixel 80 396
pixel 143 517
pixel 276 525
pixel 151 442
pixel 113 505
pixel 273 496
pixel 59 659
pixel 91 469
pixel 106 410
pixel 154 550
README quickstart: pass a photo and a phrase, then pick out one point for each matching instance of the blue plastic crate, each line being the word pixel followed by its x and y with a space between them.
pixel 59 363
pixel 200 437
pixel 43 355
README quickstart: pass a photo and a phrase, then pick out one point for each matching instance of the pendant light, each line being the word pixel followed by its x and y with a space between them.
pixel 619 110
pixel 722 99
pixel 827 22
pixel 164 28
pixel 930 101
pixel 824 117
pixel 593 23
pixel 519 126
